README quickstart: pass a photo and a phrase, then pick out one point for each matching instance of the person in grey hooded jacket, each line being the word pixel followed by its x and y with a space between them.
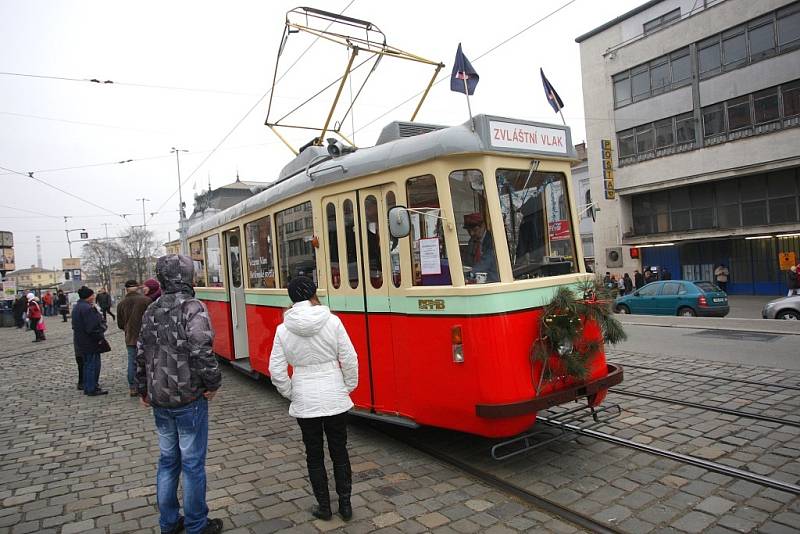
pixel 325 371
pixel 177 374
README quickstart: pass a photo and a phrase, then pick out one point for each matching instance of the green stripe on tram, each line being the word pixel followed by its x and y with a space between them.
pixel 275 301
pixel 219 296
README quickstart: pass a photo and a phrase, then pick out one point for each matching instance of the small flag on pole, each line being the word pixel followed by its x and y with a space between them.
pixel 464 79
pixel 550 92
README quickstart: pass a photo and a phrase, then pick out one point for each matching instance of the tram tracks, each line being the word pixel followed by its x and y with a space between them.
pixel 759 383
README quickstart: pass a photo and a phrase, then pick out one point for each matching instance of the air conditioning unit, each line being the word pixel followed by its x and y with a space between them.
pixel 614 257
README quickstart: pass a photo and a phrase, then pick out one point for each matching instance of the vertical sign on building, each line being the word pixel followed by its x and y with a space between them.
pixel 608 169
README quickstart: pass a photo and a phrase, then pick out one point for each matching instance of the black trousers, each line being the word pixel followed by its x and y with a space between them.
pixel 79 361
pixel 108 311
pixel 334 428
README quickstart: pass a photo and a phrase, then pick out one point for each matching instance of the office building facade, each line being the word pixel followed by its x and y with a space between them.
pixel 693 128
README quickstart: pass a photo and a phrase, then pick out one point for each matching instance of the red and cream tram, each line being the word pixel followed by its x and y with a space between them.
pixel 444 318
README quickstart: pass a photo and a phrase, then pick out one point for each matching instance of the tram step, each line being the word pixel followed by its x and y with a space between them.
pixel 243 365
pixel 385 418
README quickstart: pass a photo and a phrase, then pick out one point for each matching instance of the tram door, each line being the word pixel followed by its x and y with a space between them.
pixel 358 289
pixel 233 250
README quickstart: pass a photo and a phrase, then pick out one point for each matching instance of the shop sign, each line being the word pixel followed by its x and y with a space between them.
pixel 559 230
pixel 786 260
pixel 607 160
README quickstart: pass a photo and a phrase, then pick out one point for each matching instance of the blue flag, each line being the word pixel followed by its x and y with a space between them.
pixel 462 70
pixel 550 92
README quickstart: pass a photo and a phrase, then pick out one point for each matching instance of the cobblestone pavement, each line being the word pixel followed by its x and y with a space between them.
pixel 639 492
pixel 69 463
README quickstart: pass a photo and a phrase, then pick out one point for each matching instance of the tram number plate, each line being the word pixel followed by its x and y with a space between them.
pixel 431 304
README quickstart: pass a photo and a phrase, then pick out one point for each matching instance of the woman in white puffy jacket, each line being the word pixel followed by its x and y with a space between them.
pixel 325 371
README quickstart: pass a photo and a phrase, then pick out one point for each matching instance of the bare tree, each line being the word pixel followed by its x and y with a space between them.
pixel 139 249
pixel 101 258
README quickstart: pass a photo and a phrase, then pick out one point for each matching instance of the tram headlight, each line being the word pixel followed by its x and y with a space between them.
pixel 564 348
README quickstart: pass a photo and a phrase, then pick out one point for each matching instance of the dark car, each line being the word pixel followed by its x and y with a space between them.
pixel 675 297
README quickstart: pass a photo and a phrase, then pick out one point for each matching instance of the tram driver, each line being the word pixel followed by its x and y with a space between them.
pixel 480 260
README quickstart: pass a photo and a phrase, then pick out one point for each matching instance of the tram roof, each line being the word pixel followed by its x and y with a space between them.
pixel 314 168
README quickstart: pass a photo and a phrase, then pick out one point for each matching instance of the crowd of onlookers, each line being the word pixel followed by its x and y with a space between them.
pixel 624 284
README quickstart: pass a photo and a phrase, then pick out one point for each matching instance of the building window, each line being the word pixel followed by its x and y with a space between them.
pixel 664 134
pixel 622 89
pixel 644 138
pixel 684 128
pixel 713 120
pixel 681 64
pixel 659 75
pixel 789 27
pixel 640 81
pixel 626 144
pixel 761 34
pixel 790 94
pixel 708 56
pixel 734 47
pixel 765 104
pixel 739 113
pixel 661 21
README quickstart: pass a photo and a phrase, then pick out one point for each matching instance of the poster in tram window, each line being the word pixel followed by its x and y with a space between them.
pixel 559 230
pixel 6 239
pixel 196 250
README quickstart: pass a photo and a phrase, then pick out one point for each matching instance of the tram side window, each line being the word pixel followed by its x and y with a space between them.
pixel 373 242
pixel 333 245
pixel 350 242
pixel 428 250
pixel 199 261
pixel 538 227
pixel 213 261
pixel 475 236
pixel 296 255
pixel 394 243
pixel 260 265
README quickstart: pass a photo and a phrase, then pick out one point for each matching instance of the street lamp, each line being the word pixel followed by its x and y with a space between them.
pixel 181 211
pixel 69 243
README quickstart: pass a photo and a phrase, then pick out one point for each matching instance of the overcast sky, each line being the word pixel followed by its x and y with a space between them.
pixel 225 53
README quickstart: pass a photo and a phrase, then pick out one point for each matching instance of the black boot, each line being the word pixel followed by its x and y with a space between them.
pixel 344 484
pixel 319 483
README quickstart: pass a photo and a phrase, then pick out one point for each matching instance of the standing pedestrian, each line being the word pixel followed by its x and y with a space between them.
pixel 129 318
pixel 88 329
pixel 792 281
pixel 152 289
pixel 104 301
pixel 47 301
pixel 63 304
pixel 648 276
pixel 628 283
pixel 665 274
pixel 621 285
pixel 35 317
pixel 177 374
pixel 721 274
pixel 638 279
pixel 325 371
pixel 18 310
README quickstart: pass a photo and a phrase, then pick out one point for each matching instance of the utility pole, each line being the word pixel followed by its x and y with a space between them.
pixel 108 259
pixel 144 236
pixel 181 208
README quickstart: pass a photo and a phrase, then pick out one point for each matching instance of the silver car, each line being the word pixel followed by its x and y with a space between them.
pixel 785 308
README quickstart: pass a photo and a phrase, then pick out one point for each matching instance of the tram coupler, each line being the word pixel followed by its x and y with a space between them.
pixel 567 423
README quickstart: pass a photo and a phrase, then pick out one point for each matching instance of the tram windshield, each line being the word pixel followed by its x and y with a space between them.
pixel 538 228
pixel 475 241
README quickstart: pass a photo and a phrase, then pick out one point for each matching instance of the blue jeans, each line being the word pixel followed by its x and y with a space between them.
pixel 131 365
pixel 183 440
pixel 91 372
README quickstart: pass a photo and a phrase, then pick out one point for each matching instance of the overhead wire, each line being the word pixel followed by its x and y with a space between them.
pixel 487 52
pixel 126 84
pixel 249 111
pixel 82 123
pixel 32 177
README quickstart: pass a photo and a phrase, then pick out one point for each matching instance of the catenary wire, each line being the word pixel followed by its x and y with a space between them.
pixel 82 123
pixel 249 111
pixel 31 176
pixel 446 76
pixel 127 84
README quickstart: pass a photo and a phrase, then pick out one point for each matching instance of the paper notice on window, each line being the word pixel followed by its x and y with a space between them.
pixel 415 226
pixel 429 256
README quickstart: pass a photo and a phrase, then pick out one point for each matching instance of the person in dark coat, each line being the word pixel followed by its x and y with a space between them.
pixel 665 274
pixel 626 280
pixel 792 281
pixel 88 329
pixel 129 318
pixel 63 304
pixel 638 279
pixel 104 301
pixel 18 310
